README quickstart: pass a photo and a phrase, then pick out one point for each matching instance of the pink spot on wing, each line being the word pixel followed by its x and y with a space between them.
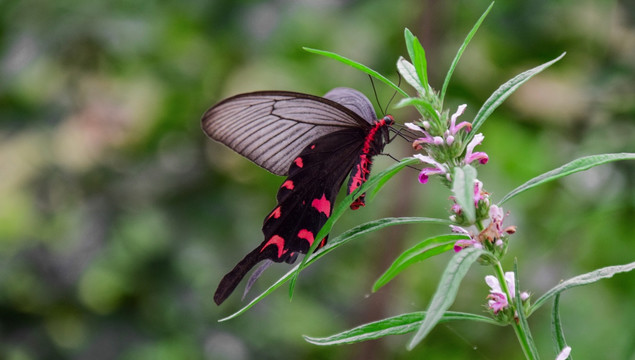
pixel 306 235
pixel 359 202
pixel 275 213
pixel 312 146
pixel 322 205
pixel 277 241
pixel 287 184
pixel 298 162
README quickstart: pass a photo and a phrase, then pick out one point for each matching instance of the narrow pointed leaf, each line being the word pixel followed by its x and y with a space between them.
pixel 584 279
pixel 409 39
pixel 467 40
pixel 446 292
pixel 574 166
pixel 557 332
pixel 358 66
pixel 421 251
pixel 503 93
pixel 463 190
pixel 408 72
pixel 420 63
pixel 338 241
pixel 396 325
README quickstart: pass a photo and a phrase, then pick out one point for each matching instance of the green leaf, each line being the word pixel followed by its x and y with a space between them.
pixel 460 52
pixel 421 251
pixel 522 320
pixel 408 72
pixel 409 39
pixel 358 66
pixel 338 241
pixel 503 93
pixel 420 63
pixel 463 190
pixel 446 292
pixel 580 280
pixel 396 325
pixel 556 326
pixel 424 107
pixel 574 166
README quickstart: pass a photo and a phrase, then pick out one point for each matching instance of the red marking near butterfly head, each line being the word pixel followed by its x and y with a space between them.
pixel 306 235
pixel 298 162
pixel 322 205
pixel 277 241
pixel 288 184
pixel 312 146
pixel 275 213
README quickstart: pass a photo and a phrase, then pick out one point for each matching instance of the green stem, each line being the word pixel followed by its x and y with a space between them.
pixel 479 225
pixel 521 334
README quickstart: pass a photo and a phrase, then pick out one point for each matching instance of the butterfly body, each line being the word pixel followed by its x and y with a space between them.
pixel 316 142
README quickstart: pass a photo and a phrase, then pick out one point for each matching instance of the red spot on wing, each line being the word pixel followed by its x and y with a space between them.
pixel 288 184
pixel 359 202
pixel 312 146
pixel 298 162
pixel 322 205
pixel 306 235
pixel 277 241
pixel 275 213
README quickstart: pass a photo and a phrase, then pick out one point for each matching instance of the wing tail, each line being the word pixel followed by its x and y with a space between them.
pixel 233 278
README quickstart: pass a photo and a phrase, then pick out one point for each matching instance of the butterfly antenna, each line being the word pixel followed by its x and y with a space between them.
pixel 397 160
pixel 395 93
pixel 403 132
pixel 372 83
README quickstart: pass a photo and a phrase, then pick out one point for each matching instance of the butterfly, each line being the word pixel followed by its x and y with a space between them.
pixel 315 142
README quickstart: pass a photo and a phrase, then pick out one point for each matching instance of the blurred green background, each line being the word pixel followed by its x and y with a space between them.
pixel 118 217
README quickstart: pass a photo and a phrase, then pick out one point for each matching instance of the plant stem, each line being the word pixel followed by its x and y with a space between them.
pixel 521 333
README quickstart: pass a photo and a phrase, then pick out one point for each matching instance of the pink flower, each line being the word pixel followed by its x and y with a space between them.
pixel 455 128
pixel 564 354
pixel 497 216
pixel 426 172
pixel 479 194
pixel 463 243
pixel 497 297
pixel 471 156
pixel 427 139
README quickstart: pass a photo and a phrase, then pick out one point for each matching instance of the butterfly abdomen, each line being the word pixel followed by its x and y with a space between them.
pixel 373 145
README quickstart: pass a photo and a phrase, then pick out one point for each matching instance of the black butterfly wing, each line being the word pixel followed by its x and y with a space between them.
pixel 305 202
pixel 271 128
pixel 314 140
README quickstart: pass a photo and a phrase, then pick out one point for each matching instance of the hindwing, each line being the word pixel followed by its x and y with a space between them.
pixel 305 201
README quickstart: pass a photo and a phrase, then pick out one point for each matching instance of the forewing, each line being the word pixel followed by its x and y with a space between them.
pixel 354 100
pixel 271 128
